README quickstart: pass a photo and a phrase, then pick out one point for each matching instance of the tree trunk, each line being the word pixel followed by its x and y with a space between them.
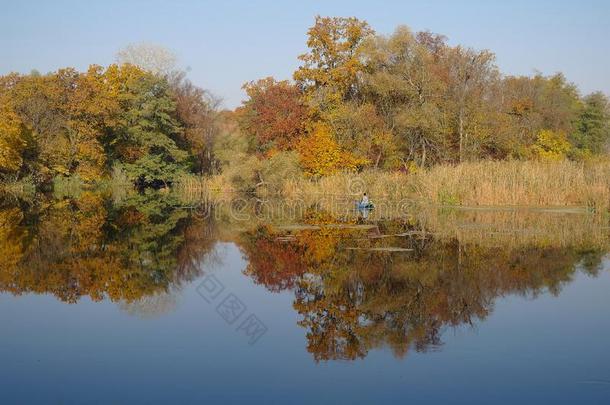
pixel 423 154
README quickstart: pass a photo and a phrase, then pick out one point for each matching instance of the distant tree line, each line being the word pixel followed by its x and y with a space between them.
pixel 358 99
pixel 150 126
pixel 411 100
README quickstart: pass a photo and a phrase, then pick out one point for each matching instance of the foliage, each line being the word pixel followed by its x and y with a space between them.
pixel 404 102
pixel 321 155
pixel 592 132
pixel 144 140
pixel 329 73
pixel 196 111
pixel 410 100
pixel 62 116
pixel 551 146
pixel 281 167
pixel 70 123
pixel 86 246
pixel 12 142
pixel 245 172
pixel 274 114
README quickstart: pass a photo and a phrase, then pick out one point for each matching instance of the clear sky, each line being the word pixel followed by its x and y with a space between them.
pixel 226 43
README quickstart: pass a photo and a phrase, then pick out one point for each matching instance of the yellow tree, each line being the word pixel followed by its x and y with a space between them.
pixel 551 145
pixel 330 68
pixel 98 111
pixel 12 142
pixel 87 106
pixel 321 155
pixel 64 116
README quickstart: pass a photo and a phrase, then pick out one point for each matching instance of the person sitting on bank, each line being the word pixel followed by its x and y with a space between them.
pixel 365 201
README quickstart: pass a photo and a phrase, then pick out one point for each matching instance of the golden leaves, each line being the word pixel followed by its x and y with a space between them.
pixel 551 146
pixel 321 155
pixel 12 142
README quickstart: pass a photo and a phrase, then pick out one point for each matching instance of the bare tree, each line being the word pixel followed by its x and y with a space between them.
pixel 148 56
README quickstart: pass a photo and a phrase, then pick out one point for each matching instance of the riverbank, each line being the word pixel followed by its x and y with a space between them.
pixel 485 183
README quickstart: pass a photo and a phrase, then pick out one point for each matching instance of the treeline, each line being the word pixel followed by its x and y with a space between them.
pixel 148 127
pixel 358 100
pixel 411 100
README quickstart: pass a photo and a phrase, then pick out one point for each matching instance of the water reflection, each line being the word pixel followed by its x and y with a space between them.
pixel 126 250
pixel 356 290
pixel 358 283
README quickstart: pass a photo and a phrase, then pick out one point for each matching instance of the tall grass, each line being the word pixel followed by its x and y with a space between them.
pixel 518 183
pixel 193 188
pixel 486 183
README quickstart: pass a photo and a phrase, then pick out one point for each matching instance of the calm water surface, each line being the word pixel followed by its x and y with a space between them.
pixel 145 299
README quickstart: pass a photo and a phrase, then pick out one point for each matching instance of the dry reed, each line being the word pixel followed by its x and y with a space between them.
pixel 486 183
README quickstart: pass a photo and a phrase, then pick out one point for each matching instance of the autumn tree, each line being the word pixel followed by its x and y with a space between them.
pixel 197 112
pixel 395 102
pixel 196 108
pixel 12 140
pixel 551 146
pixel 403 81
pixel 321 155
pixel 87 107
pixel 244 170
pixel 142 118
pixel 534 104
pixel 329 71
pixel 274 114
pixel 470 76
pixel 64 116
pixel 360 128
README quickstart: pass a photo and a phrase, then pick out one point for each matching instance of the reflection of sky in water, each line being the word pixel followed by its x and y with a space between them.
pixel 548 349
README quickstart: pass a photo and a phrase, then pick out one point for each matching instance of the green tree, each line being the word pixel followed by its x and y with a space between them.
pixel 592 132
pixel 144 140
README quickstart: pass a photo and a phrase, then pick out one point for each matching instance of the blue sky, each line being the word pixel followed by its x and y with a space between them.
pixel 226 43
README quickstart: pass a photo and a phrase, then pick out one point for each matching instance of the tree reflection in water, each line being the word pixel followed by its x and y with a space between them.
pixel 398 283
pixel 352 299
pixel 138 247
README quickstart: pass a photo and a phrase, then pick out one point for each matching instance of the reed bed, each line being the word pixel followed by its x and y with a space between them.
pixel 195 189
pixel 487 183
pixel 518 184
